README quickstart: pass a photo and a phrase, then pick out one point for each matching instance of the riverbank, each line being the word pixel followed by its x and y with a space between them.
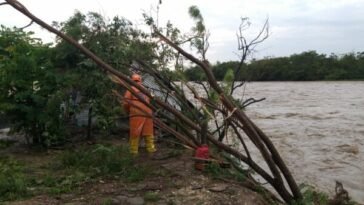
pixel 104 173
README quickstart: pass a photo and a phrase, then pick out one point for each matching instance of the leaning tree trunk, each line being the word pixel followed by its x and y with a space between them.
pixel 263 143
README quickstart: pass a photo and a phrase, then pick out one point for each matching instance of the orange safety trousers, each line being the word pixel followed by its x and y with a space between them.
pixel 141 122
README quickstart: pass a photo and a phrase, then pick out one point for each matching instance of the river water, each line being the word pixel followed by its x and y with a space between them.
pixel 317 127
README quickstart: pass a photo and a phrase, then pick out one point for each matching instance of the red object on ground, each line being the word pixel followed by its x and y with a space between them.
pixel 202 152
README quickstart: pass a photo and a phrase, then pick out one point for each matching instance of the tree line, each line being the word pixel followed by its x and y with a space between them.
pixel 306 66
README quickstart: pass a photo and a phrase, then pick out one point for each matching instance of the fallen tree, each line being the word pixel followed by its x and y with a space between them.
pixel 278 172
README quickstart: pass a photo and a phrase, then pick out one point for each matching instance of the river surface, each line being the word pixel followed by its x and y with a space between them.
pixel 317 127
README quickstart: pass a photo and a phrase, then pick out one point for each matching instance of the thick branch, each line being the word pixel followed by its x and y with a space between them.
pixel 158 122
pixel 249 127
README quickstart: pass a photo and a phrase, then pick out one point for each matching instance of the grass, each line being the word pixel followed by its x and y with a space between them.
pixel 5 143
pixel 103 160
pixel 151 197
pixel 311 196
pixel 107 201
pixel 59 185
pixel 13 183
pixel 314 197
pixel 175 153
pixel 74 168
pixel 215 171
pixel 69 171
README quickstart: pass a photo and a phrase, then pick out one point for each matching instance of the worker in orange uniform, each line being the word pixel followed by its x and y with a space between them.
pixel 140 116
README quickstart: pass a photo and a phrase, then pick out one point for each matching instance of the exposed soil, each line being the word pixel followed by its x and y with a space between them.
pixel 172 180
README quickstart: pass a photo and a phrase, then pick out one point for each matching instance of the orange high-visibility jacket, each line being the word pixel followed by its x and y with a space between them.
pixel 140 116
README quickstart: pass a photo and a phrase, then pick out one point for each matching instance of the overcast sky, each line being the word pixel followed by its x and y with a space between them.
pixel 327 26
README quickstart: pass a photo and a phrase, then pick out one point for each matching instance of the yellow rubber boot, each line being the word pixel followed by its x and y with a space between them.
pixel 149 141
pixel 134 145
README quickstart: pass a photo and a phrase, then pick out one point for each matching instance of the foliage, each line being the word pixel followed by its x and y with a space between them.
pixel 116 42
pixel 314 197
pixel 298 67
pixel 165 55
pixel 215 171
pixel 220 68
pixel 13 183
pixel 228 80
pixel 29 87
pixel 200 40
pixel 310 196
pixel 3 120
pixel 195 74
pixel 42 87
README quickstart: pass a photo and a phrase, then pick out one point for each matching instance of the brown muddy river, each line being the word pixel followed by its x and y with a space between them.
pixel 318 128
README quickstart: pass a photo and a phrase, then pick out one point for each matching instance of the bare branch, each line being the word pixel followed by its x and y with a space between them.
pixel 249 128
pixel 250 101
pixel 29 24
pixel 263 34
pixel 26 26
pixel 203 86
pixel 239 85
pixel 241 140
pixel 248 48
pixel 262 142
